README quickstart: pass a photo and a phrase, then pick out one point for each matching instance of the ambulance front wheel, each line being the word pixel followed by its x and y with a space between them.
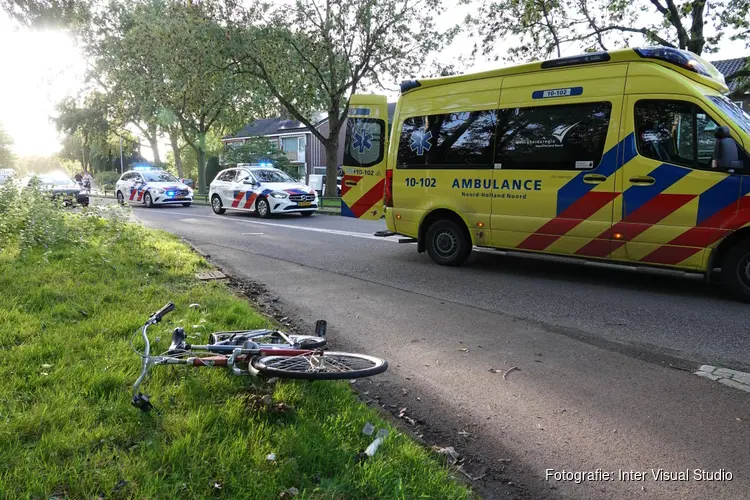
pixel 736 270
pixel 448 244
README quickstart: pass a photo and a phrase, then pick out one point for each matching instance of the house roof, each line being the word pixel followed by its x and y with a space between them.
pixel 728 67
pixel 278 125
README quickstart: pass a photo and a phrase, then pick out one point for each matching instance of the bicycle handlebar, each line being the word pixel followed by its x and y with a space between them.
pixel 158 315
pixel 139 400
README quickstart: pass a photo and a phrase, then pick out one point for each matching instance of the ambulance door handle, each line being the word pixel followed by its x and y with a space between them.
pixel 350 183
pixel 643 180
pixel 594 178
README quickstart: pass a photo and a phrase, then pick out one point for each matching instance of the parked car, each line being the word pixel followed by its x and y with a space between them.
pixel 262 190
pixel 60 186
pixel 152 187
pixel 5 174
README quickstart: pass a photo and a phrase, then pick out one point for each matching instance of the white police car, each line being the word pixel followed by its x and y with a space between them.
pixel 152 187
pixel 263 190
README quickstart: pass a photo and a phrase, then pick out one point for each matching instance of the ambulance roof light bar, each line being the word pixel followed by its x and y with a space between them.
pixel 683 59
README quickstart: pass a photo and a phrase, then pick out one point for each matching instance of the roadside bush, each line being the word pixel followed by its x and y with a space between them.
pixel 29 218
pixel 109 177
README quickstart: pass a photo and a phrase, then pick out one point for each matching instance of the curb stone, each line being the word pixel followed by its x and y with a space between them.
pixel 731 378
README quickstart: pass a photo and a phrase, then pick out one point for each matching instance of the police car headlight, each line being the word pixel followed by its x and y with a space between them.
pixel 159 191
pixel 279 195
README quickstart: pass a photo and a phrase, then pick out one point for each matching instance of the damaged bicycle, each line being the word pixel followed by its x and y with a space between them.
pixel 255 353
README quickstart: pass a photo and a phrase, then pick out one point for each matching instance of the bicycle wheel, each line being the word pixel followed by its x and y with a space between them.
pixel 321 366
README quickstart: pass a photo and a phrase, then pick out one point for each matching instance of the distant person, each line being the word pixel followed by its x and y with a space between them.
pixel 79 177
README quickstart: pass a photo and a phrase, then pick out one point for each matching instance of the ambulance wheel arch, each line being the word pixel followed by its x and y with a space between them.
pixel 724 255
pixel 449 222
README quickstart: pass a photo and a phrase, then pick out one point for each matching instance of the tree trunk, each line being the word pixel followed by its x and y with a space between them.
pixel 332 154
pixel 174 140
pixel 201 152
pixel 154 148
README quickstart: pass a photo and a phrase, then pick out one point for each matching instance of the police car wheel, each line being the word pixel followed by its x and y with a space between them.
pixel 736 270
pixel 120 198
pixel 262 207
pixel 448 244
pixel 147 200
pixel 216 205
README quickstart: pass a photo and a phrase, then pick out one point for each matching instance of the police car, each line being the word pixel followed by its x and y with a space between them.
pixel 152 187
pixel 263 190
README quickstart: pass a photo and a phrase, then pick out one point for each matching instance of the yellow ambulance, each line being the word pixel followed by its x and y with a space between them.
pixel 633 157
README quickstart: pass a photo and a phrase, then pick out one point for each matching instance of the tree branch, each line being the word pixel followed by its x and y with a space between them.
pixel 643 31
pixel 674 18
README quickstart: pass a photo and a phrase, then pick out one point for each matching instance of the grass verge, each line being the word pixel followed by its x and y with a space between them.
pixel 68 310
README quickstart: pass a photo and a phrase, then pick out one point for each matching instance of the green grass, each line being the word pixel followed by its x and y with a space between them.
pixel 67 428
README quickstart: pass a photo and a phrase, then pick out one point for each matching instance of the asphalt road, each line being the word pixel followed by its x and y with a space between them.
pixel 650 314
pixel 583 397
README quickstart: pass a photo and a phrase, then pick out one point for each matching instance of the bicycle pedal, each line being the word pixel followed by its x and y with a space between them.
pixel 142 402
pixel 320 328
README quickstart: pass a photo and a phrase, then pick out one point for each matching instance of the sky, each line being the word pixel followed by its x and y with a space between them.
pixel 43 67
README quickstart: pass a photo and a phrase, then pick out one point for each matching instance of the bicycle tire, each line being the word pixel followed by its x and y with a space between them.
pixel 301 367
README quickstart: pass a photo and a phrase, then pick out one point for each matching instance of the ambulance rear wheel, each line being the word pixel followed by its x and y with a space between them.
pixel 448 244
pixel 736 270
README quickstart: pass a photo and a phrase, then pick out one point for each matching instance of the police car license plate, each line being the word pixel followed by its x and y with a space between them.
pixel 305 203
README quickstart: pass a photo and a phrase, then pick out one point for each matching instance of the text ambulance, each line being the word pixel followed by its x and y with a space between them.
pixel 633 157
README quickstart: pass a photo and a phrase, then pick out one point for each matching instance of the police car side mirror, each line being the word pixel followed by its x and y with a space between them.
pixel 249 181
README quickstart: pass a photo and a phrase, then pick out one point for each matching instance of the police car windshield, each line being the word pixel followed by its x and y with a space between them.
pixel 734 112
pixel 271 176
pixel 159 177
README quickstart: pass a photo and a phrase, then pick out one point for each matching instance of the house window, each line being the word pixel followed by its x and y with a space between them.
pixel 290 144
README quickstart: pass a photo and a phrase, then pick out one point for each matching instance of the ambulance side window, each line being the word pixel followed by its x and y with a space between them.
pixel 452 140
pixel 676 132
pixel 558 137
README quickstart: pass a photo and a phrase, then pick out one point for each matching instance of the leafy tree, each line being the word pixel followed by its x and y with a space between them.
pixel 258 150
pixel 87 122
pixel 7 158
pixel 176 55
pixel 545 27
pixel 315 54
pixel 45 13
pixel 38 164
